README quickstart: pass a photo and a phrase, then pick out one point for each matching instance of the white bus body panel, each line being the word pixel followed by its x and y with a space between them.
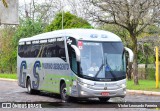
pixel 79 34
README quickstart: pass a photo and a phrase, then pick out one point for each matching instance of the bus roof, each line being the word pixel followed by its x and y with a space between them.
pixel 79 34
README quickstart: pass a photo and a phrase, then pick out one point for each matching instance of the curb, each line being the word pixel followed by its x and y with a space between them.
pixel 141 92
pixel 6 79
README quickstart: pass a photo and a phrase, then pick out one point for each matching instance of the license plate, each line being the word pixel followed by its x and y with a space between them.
pixel 105 93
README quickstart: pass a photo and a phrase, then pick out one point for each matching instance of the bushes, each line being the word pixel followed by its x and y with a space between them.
pixel 149 73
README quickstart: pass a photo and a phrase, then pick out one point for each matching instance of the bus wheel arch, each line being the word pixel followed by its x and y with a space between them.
pixel 29 88
pixel 28 85
pixel 27 80
pixel 63 91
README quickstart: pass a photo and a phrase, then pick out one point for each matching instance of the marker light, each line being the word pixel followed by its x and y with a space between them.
pixel 94 36
pixel 80 44
pixel 103 36
pixel 83 93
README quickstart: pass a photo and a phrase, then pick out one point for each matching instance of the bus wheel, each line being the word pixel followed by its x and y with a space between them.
pixel 104 99
pixel 29 89
pixel 63 92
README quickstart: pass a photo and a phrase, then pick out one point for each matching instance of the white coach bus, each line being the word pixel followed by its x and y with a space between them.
pixel 82 63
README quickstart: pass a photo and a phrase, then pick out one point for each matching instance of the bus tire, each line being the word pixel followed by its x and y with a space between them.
pixel 28 85
pixel 104 99
pixel 63 93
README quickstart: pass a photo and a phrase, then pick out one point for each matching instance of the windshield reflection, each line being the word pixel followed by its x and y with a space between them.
pixel 91 58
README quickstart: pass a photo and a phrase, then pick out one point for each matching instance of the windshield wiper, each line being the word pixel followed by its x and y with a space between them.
pixel 99 70
pixel 107 65
pixel 111 71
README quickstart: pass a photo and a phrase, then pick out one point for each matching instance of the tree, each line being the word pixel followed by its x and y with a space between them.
pixel 153 29
pixel 132 15
pixel 76 8
pixel 7 60
pixel 27 28
pixel 145 55
pixel 44 10
pixel 69 21
pixel 5 3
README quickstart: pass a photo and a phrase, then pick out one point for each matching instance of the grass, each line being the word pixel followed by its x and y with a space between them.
pixel 147 85
pixel 9 76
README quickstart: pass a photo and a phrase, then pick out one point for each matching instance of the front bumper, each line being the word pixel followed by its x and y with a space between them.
pixel 86 91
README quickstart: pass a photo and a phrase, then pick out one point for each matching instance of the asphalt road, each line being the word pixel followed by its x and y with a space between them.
pixel 11 92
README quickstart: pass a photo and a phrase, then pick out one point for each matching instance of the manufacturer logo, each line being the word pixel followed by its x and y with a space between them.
pixel 105 88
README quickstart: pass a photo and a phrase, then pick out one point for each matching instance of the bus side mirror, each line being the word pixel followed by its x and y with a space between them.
pixel 77 51
pixel 131 55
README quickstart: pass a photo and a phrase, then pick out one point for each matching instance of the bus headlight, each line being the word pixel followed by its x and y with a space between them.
pixel 83 84
pixel 83 93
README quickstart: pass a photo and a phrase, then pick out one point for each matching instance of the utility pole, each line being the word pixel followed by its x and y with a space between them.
pixel 157 67
pixel 62 12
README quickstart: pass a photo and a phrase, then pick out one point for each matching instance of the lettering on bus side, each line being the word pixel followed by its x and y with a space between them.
pixel 35 84
pixel 56 66
pixel 22 76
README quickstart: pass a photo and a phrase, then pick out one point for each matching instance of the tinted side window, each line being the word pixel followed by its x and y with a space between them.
pixel 44 50
pixel 52 49
pixel 35 50
pixel 61 48
pixel 27 50
pixel 20 50
pixel 49 50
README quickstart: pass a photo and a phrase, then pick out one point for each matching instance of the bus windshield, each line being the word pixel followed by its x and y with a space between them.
pixel 102 61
